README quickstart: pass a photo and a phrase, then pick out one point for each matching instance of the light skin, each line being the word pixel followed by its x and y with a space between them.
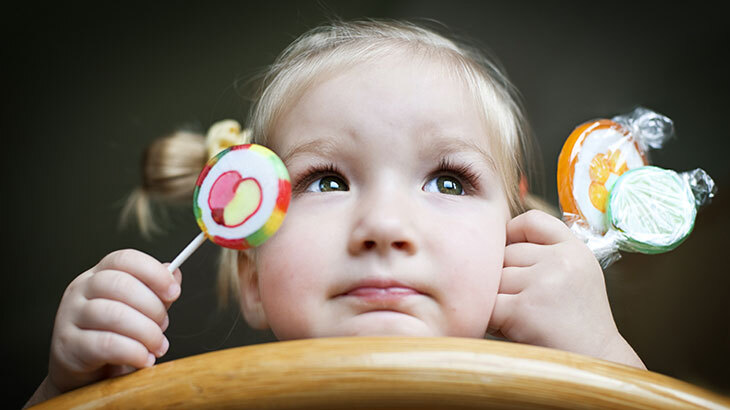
pixel 382 131
pixel 110 322
pixel 386 253
pixel 553 293
pixel 398 225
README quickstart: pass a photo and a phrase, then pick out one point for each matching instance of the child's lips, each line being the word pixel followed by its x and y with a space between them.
pixel 382 292
pixel 371 292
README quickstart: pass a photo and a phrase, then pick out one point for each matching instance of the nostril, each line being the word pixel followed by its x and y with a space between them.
pixel 369 244
pixel 399 245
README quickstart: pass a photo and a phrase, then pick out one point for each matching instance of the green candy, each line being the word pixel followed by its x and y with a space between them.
pixel 652 209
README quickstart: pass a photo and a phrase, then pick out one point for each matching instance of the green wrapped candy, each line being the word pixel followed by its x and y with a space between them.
pixel 653 210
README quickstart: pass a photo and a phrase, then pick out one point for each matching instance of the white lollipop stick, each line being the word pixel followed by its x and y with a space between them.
pixel 192 247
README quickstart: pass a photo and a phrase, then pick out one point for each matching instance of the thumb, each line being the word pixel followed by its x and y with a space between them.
pixel 537 227
pixel 501 321
pixel 177 275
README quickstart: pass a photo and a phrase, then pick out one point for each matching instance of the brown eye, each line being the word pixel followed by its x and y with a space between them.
pixel 444 184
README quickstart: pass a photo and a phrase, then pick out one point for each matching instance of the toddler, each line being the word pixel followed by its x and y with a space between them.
pixel 406 152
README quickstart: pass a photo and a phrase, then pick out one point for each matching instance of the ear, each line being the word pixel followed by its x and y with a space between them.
pixel 251 306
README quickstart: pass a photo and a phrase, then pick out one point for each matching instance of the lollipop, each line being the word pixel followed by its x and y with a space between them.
pixel 240 199
pixel 614 200
pixel 652 208
pixel 595 154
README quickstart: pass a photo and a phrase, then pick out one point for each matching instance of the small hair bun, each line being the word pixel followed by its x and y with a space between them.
pixel 170 167
pixel 224 134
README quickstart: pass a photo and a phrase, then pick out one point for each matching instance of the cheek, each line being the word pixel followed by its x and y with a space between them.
pixel 477 269
pixel 291 270
pixel 475 258
pixel 475 245
pixel 294 251
pixel 472 293
pixel 487 250
pixel 284 291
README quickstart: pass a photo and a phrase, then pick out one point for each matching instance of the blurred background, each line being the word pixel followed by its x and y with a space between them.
pixel 87 88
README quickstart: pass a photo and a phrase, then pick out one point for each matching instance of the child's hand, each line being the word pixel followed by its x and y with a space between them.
pixel 553 293
pixel 111 320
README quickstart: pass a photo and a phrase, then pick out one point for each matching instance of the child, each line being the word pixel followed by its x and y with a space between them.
pixel 406 152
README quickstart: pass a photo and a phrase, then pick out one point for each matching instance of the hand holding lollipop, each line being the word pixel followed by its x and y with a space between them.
pixel 112 317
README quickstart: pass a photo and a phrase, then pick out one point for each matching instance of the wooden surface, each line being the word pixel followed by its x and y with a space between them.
pixel 389 372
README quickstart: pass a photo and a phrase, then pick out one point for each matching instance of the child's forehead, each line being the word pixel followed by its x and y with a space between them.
pixel 415 65
pixel 363 73
pixel 395 92
pixel 395 95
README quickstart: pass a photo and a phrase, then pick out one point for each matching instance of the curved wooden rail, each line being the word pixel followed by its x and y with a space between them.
pixel 389 372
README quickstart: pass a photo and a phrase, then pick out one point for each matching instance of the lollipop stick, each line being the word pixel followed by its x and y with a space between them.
pixel 192 246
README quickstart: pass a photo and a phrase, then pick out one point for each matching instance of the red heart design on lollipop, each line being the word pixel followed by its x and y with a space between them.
pixel 224 202
pixel 233 199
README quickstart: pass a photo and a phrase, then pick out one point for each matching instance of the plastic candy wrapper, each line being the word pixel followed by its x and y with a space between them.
pixel 611 196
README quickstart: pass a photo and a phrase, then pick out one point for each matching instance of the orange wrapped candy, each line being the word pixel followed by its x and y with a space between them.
pixel 595 154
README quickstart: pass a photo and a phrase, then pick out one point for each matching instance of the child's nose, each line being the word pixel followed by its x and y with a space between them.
pixel 383 226
pixel 381 237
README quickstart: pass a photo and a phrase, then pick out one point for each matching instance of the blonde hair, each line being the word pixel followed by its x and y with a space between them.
pixel 339 45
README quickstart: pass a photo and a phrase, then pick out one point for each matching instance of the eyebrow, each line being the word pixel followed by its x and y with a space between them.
pixel 441 147
pixel 319 146
pixel 444 146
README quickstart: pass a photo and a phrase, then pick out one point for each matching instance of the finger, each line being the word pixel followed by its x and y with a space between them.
pixel 145 268
pixel 178 278
pixel 537 227
pixel 503 310
pixel 165 324
pixel 97 348
pixel 514 280
pixel 125 288
pixel 116 317
pixel 177 275
pixel 523 254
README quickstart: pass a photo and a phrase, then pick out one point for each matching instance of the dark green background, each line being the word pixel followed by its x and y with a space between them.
pixel 87 88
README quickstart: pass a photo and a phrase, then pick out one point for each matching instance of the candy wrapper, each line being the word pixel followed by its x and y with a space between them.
pixel 611 196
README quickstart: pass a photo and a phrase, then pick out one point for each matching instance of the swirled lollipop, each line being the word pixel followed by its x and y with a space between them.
pixel 652 209
pixel 240 199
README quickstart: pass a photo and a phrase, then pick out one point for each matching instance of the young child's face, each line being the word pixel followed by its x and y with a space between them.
pixel 397 220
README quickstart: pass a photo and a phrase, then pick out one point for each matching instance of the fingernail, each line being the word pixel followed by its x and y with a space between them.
pixel 165 323
pixel 163 349
pixel 150 360
pixel 173 291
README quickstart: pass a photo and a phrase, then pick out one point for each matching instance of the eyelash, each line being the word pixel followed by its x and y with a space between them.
pixel 313 173
pixel 464 172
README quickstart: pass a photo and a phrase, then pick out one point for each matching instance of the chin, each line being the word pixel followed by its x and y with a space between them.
pixel 387 323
